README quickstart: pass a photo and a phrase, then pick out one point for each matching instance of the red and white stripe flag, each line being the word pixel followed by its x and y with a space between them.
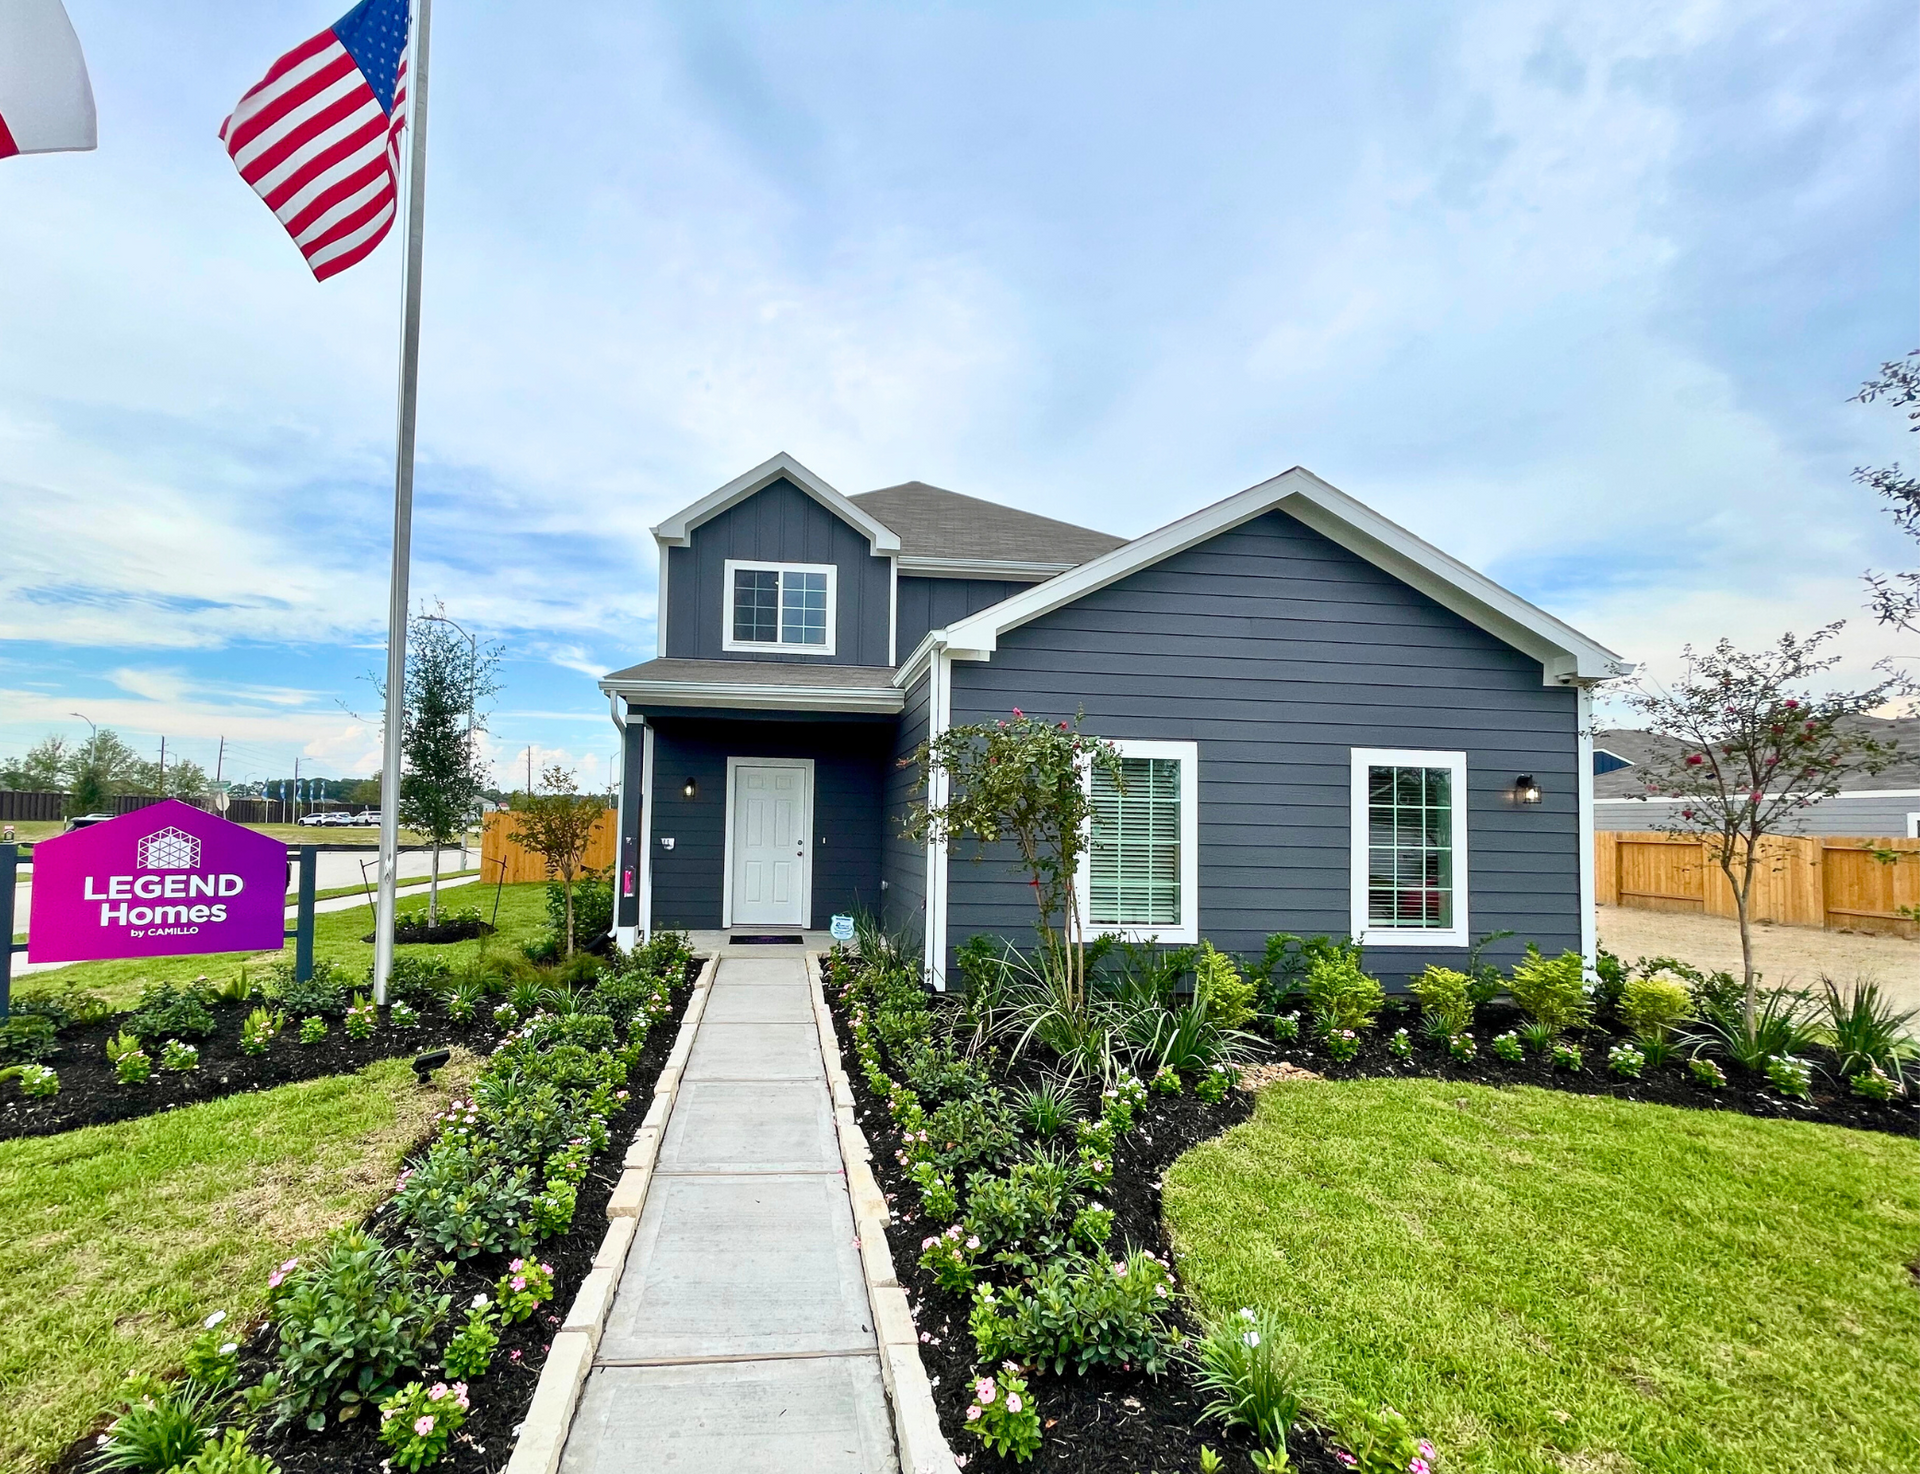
pixel 46 101
pixel 318 137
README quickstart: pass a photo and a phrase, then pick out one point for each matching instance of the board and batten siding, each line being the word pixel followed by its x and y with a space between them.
pixel 848 763
pixel 934 603
pixel 778 524
pixel 1278 652
pixel 903 862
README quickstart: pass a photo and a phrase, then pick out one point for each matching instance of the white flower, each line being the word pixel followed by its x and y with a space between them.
pixel 230 1348
pixel 1246 1312
pixel 1252 1338
pixel 213 1320
pixel 481 1302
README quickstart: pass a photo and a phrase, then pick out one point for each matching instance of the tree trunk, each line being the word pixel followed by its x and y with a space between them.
pixel 1742 897
pixel 433 888
pixel 568 883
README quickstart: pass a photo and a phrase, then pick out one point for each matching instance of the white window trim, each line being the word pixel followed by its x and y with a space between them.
pixel 1913 826
pixel 1188 928
pixel 1408 936
pixel 727 641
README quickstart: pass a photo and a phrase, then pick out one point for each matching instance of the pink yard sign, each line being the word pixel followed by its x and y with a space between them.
pixel 159 882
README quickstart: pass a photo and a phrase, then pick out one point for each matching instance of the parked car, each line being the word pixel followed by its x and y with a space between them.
pixel 83 820
pixel 366 819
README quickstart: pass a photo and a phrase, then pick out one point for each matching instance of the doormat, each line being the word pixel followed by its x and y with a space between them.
pixel 768 941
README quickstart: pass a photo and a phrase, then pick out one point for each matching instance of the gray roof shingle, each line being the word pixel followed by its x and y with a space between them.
pixel 935 523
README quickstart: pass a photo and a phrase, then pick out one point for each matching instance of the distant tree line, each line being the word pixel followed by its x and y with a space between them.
pixel 93 771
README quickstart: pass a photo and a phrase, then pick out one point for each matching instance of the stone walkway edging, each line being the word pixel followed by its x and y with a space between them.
pixel 570 1356
pixel 916 1423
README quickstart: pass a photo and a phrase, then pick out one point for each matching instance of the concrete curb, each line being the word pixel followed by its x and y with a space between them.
pixel 916 1423
pixel 550 1417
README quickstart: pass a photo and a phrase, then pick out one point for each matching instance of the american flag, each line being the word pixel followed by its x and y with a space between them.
pixel 318 137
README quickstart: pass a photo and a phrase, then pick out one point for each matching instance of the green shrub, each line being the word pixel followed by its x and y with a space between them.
pixel 28 1036
pixel 1003 1415
pixel 351 1325
pixel 37 1082
pixel 1288 960
pixel 418 1422
pixel 469 1352
pixel 158 1431
pixel 1029 1209
pixel 1379 1442
pixel 416 979
pixel 1080 1313
pixel 1652 1007
pixel 166 1011
pixel 1227 997
pixel 313 1028
pixel 228 1454
pixel 1552 991
pixel 1340 995
pixel 1258 1376
pixel 592 906
pixel 325 993
pixel 257 1033
pixel 1446 1003
pixel 457 1204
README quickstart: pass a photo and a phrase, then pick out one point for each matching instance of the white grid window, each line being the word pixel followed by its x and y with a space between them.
pixel 1409 847
pixel 1139 877
pixel 779 606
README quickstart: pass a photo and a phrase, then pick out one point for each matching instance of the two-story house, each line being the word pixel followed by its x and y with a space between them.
pixel 1327 724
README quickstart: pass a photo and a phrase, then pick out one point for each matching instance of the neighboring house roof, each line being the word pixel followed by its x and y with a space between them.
pixel 756 683
pixel 943 532
pixel 677 530
pixel 1564 653
pixel 1641 747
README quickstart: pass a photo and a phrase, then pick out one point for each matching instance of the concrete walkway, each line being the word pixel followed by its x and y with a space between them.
pixel 740 1337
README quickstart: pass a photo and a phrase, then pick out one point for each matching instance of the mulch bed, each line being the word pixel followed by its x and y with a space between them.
pixel 412 929
pixel 1670 1085
pixel 501 1398
pixel 1117 1423
pixel 91 1094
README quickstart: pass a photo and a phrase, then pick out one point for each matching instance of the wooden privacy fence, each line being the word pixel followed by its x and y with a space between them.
pixel 525 865
pixel 1817 880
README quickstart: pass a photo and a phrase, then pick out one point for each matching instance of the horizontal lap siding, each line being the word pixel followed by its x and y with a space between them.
pixel 848 772
pixel 934 603
pixel 780 524
pixel 1279 652
pixel 903 862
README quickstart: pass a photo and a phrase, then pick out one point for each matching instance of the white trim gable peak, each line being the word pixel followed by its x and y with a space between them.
pixel 677 530
pixel 1567 657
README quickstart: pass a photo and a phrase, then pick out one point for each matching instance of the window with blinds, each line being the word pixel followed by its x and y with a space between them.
pixel 1134 859
pixel 779 605
pixel 1410 847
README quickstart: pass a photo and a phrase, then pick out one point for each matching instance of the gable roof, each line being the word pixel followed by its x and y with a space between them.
pixel 1565 654
pixel 944 532
pixel 677 530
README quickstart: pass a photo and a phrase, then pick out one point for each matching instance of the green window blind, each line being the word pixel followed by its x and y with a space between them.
pixel 1134 854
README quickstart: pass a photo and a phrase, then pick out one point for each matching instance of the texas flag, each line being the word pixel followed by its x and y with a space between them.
pixel 46 102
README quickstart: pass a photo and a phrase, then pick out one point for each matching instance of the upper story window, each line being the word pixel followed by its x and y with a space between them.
pixel 780 606
pixel 1409 848
pixel 1140 875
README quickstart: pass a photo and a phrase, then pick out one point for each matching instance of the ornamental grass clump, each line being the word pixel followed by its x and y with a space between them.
pixel 1446 1001
pixel 1868 1031
pixel 1258 1376
pixel 1552 991
pixel 1002 1414
pixel 158 1430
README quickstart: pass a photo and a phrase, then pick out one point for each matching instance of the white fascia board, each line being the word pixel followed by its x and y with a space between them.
pixel 1566 655
pixel 677 530
pixel 915 665
pixel 759 697
pixel 926 565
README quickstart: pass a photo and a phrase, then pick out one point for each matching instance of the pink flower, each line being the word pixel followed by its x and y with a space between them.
pixel 984 1389
pixel 437 1391
pixel 423 1425
pixel 1426 1449
pixel 1018 714
pixel 519 1282
pixel 517 1265
pixel 1419 1466
pixel 1014 1404
pixel 973 1415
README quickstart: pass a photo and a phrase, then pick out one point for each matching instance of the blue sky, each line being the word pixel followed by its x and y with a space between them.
pixel 1578 292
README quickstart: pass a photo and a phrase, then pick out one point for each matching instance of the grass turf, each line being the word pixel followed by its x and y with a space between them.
pixel 1554 1282
pixel 121 1239
pixel 336 937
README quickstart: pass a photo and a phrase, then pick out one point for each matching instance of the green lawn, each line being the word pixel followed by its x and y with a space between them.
pixel 1554 1282
pixel 121 1239
pixel 336 936
pixel 406 883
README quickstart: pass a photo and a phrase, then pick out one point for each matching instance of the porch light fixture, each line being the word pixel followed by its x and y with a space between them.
pixel 690 789
pixel 1525 790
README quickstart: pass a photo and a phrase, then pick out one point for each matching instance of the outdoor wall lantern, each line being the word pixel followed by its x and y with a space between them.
pixel 1525 790
pixel 690 789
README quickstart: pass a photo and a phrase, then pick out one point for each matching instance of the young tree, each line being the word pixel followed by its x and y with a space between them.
pixel 1755 750
pixel 448 679
pixel 1896 598
pixel 1023 780
pixel 556 825
pixel 182 779
pixel 42 770
pixel 102 766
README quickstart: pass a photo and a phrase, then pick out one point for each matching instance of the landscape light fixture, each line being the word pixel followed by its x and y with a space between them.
pixel 1525 790
pixel 690 789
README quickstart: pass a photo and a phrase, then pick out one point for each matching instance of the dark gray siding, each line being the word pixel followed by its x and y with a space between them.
pixel 1843 815
pixel 903 862
pixel 849 764
pixel 1278 651
pixel 934 603
pixel 780 524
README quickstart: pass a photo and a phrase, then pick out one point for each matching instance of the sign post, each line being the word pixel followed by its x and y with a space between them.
pixel 9 877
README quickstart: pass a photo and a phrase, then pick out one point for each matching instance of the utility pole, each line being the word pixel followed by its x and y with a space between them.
pixel 529 770
pixel 163 767
pixel 296 790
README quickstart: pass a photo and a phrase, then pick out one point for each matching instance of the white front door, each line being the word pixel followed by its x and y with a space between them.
pixel 771 803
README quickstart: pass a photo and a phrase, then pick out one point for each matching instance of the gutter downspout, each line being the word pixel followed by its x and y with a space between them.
pixel 631 852
pixel 1589 919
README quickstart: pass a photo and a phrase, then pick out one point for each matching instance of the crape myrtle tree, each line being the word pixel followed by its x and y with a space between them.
pixel 1756 748
pixel 556 823
pixel 448 680
pixel 1895 598
pixel 1023 780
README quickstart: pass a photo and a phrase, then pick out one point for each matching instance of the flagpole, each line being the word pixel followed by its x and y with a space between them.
pixel 416 127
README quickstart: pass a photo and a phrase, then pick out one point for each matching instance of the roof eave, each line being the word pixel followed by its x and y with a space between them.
pixel 757 697
pixel 677 530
